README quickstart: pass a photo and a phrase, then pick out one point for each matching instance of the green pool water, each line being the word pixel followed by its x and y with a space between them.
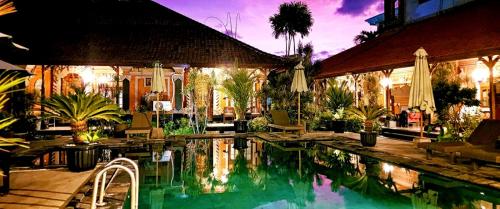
pixel 222 174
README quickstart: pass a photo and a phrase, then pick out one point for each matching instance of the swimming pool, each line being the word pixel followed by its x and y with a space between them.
pixel 234 174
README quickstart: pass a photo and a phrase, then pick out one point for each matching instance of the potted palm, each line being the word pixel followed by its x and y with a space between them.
pixel 338 98
pixel 239 86
pixel 369 115
pixel 78 108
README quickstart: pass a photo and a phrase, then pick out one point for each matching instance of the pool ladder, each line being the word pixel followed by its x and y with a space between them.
pixel 134 179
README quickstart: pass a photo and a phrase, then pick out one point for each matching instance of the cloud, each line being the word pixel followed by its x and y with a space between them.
pixel 356 7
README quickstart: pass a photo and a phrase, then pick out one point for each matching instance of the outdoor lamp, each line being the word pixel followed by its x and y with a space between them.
pixel 480 73
pixel 386 82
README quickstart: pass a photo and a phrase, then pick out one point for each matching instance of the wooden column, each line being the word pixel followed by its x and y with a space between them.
pixel 387 74
pixel 490 62
pixel 117 84
pixel 356 83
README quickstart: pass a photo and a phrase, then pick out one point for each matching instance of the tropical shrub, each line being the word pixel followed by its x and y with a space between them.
pixel 239 86
pixel 369 114
pixel 80 107
pixel 7 82
pixel 179 127
pixel 258 124
pixel 339 97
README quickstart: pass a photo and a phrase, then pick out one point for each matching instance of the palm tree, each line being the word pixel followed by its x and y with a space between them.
pixel 293 18
pixel 239 86
pixel 80 107
pixel 365 36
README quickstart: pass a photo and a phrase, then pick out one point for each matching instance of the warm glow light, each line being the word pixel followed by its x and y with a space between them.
pixel 387 168
pixel 480 73
pixel 386 82
pixel 87 75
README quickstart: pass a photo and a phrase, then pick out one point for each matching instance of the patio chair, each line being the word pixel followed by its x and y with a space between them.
pixel 282 121
pixel 228 113
pixel 141 124
pixel 484 135
pixel 485 154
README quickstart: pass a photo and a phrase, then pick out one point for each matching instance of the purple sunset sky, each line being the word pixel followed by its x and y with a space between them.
pixel 336 22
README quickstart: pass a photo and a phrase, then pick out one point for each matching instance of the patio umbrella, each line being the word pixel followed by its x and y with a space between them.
pixel 299 83
pixel 158 86
pixel 421 95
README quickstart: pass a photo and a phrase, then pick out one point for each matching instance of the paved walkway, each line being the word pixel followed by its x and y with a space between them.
pixel 407 155
pixel 42 189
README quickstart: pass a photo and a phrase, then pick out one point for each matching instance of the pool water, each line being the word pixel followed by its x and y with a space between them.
pixel 247 174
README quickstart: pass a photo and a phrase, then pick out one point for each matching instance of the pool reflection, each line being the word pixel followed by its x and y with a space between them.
pixel 229 173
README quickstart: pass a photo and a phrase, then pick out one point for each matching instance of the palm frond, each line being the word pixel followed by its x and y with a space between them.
pixel 6 7
pixel 82 106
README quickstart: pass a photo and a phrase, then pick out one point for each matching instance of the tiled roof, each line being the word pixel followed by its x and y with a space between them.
pixel 468 31
pixel 120 32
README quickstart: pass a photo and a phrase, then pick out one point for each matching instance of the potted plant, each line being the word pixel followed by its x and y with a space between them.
pixel 369 115
pixel 338 98
pixel 78 108
pixel 239 86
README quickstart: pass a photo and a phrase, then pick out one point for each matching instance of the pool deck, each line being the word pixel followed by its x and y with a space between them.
pixel 42 189
pixel 407 155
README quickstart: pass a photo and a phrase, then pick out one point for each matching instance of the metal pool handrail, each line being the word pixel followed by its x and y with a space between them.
pixel 133 198
pixel 117 160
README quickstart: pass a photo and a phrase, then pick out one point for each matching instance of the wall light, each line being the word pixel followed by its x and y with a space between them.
pixel 386 82
pixel 480 73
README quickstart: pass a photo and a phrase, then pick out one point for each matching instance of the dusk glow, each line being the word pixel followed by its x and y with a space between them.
pixel 336 22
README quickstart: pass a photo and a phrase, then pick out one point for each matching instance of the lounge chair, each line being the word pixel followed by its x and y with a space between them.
pixel 489 154
pixel 141 124
pixel 282 121
pixel 483 136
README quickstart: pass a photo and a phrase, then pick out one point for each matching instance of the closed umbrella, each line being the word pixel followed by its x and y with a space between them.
pixel 421 95
pixel 299 83
pixel 158 86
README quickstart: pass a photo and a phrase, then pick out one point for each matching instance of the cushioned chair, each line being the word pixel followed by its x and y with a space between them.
pixel 282 121
pixel 141 124
pixel 483 136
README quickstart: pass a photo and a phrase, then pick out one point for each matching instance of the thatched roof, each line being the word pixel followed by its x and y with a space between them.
pixel 122 33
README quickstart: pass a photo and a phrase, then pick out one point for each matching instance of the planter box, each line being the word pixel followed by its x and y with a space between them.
pixel 82 157
pixel 240 126
pixel 338 126
pixel 368 139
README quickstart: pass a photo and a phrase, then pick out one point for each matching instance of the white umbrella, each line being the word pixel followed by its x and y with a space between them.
pixel 421 95
pixel 158 86
pixel 299 83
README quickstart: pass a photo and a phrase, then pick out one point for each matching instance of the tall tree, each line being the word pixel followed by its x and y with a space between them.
pixel 293 18
pixel 365 36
